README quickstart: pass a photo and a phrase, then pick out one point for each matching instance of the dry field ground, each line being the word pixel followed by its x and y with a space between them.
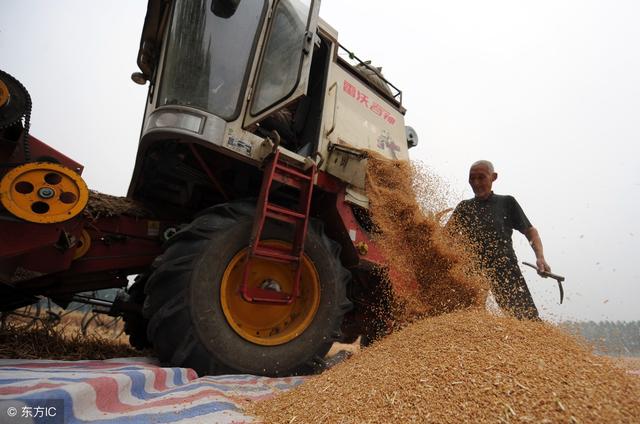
pixel 630 363
pixel 75 336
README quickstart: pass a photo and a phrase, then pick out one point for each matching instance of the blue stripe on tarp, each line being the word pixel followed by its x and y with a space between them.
pixel 177 379
pixel 285 386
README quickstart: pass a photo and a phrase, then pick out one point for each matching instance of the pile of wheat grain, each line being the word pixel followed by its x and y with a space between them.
pixel 465 367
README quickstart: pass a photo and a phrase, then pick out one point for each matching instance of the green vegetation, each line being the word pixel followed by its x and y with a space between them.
pixel 608 337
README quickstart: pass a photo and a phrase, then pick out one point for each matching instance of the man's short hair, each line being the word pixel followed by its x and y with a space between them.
pixel 486 163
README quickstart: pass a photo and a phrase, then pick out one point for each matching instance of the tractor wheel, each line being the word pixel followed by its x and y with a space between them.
pixel 198 319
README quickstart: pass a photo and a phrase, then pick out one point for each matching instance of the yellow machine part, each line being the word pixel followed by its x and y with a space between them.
pixel 269 325
pixel 43 192
pixel 4 93
pixel 82 244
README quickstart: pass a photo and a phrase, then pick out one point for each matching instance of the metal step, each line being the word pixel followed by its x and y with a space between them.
pixel 283 214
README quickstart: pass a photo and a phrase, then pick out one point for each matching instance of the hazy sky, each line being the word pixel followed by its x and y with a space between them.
pixel 547 90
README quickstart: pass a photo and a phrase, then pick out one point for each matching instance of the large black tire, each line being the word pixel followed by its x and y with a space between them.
pixel 187 323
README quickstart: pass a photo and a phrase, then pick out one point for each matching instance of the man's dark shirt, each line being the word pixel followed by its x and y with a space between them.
pixel 489 224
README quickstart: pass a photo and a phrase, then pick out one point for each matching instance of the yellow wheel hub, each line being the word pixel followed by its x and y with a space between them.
pixel 82 244
pixel 43 192
pixel 4 93
pixel 267 324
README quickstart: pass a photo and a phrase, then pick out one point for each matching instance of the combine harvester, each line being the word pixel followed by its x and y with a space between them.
pixel 246 218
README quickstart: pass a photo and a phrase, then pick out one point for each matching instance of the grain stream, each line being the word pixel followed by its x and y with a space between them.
pixel 432 269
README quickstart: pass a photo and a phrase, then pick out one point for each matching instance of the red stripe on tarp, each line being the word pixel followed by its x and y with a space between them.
pixel 160 380
pixel 108 401
pixel 98 365
pixel 16 390
pixel 191 374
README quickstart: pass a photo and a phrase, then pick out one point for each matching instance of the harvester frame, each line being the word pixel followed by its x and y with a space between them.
pixel 226 283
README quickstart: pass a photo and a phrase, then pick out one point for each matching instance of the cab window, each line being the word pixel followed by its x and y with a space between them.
pixel 283 55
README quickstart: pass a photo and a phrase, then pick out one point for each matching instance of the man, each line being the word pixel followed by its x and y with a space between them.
pixel 488 220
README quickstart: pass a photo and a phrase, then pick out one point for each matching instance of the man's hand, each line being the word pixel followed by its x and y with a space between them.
pixel 536 244
pixel 542 265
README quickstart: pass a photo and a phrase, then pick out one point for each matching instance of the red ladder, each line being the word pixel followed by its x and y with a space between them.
pixel 278 170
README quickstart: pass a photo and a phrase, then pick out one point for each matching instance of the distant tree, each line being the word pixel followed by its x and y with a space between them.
pixel 607 337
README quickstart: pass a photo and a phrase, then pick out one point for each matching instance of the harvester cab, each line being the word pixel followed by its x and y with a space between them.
pixel 246 219
pixel 224 75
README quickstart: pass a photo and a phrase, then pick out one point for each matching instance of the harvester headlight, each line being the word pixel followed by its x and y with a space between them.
pixel 174 119
pixel 412 136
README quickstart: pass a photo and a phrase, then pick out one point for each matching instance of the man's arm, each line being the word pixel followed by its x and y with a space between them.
pixel 536 244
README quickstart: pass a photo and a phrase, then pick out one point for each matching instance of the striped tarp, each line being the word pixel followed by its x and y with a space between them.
pixel 131 390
